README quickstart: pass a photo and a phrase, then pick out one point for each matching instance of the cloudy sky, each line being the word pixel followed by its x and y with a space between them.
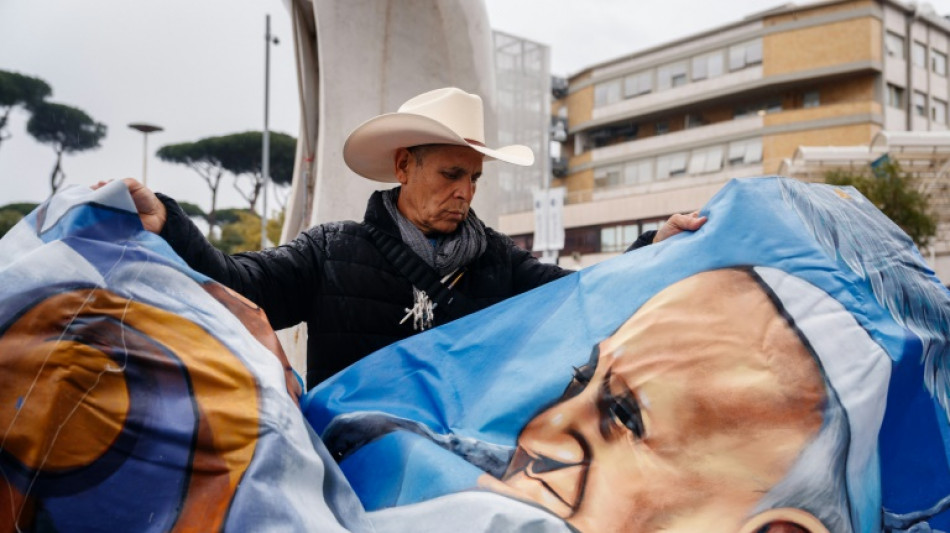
pixel 196 68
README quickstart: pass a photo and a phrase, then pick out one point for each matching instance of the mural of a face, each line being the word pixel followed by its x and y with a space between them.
pixel 688 413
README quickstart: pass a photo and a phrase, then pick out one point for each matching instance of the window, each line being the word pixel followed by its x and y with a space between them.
pixel 662 127
pixel 745 54
pixel 640 171
pixel 618 238
pixel 694 120
pixel 920 104
pixel 607 93
pixel 708 65
pixel 637 84
pixel 918 54
pixel 895 96
pixel 745 152
pixel 938 111
pixel 663 167
pixel 759 108
pixel 671 165
pixel 650 226
pixel 704 160
pixel 811 99
pixel 605 177
pixel 938 62
pixel 894 44
pixel 671 75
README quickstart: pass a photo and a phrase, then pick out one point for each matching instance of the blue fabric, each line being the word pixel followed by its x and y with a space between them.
pixel 483 377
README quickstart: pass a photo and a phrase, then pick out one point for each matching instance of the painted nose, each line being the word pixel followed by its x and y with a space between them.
pixel 556 433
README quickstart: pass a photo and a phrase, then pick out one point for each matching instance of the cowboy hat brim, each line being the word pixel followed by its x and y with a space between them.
pixel 369 149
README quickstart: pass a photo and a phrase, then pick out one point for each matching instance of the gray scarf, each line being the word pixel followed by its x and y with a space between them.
pixel 451 251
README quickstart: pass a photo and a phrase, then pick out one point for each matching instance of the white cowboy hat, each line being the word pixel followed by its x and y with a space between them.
pixel 442 116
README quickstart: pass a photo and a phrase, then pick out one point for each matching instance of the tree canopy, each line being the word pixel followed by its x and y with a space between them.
pixel 23 208
pixel 897 195
pixel 205 159
pixel 243 232
pixel 239 154
pixel 19 90
pixel 67 129
pixel 10 214
pixel 192 210
pixel 242 155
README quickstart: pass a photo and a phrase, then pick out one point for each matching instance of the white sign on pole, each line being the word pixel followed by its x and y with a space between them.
pixel 556 218
pixel 540 221
pixel 548 220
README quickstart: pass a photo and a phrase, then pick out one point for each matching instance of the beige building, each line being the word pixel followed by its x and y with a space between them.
pixel 661 130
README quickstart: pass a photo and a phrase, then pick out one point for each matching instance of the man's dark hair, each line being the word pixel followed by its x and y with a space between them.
pixel 420 151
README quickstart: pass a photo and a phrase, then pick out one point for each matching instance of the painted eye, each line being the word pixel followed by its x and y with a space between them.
pixel 619 411
pixel 626 413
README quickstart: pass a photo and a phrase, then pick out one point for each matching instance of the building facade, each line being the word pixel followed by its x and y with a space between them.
pixel 661 130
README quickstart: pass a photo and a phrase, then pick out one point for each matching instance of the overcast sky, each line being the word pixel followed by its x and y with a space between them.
pixel 196 68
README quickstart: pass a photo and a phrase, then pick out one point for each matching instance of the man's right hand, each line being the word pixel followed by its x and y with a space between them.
pixel 151 209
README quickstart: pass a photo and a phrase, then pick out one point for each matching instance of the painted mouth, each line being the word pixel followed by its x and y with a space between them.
pixel 563 483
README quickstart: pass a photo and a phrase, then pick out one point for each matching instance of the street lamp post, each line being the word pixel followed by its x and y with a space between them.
pixel 145 129
pixel 265 163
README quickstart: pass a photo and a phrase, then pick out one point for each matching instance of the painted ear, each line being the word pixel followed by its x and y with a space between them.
pixel 785 520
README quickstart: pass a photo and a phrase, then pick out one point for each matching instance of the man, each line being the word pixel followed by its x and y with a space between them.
pixel 419 259
pixel 697 406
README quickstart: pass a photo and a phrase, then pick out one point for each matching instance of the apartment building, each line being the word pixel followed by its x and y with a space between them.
pixel 661 130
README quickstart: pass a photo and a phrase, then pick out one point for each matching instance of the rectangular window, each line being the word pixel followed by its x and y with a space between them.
pixel 678 163
pixel 703 160
pixel 938 111
pixel 753 151
pixel 607 93
pixel 640 171
pixel 938 62
pixel 920 104
pixel 663 167
pixel 645 170
pixel 713 159
pixel 609 240
pixel 918 54
pixel 697 161
pixel 649 226
pixel 895 96
pixel 671 75
pixel 637 84
pixel 745 152
pixel 694 120
pixel 662 127
pixel 617 238
pixel 700 70
pixel 811 99
pixel 894 44
pixel 745 54
pixel 606 177
pixel 708 65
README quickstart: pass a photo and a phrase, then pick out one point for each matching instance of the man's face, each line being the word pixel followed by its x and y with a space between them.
pixel 698 405
pixel 436 194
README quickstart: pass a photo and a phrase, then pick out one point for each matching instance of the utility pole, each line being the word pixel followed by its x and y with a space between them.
pixel 265 163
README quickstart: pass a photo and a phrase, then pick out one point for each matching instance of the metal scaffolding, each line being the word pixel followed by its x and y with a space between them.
pixel 523 91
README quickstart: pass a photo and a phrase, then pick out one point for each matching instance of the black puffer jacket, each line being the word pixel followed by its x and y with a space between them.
pixel 335 278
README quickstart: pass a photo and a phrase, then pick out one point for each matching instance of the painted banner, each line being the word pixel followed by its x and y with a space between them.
pixel 138 395
pixel 785 368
